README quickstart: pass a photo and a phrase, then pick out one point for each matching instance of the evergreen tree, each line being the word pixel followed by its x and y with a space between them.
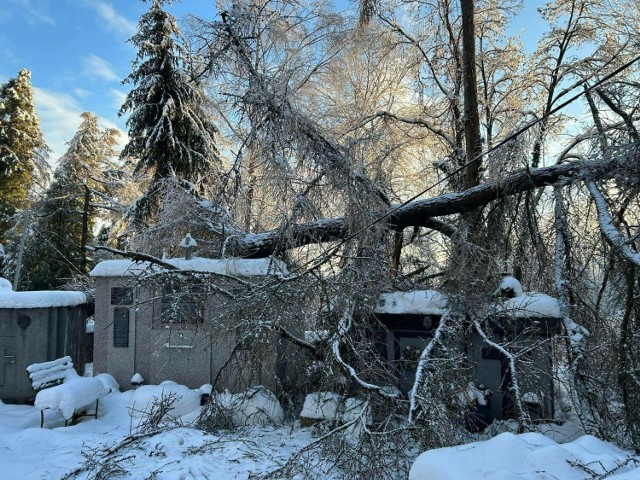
pixel 65 220
pixel 22 148
pixel 170 133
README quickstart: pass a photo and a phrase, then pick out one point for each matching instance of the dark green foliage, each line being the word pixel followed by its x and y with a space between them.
pixel 22 148
pixel 170 133
pixel 54 253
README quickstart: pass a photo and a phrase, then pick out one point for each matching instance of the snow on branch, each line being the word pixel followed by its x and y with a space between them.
pixel 611 233
pixel 344 325
pixel 424 360
pixel 135 256
pixel 576 334
pixel 525 419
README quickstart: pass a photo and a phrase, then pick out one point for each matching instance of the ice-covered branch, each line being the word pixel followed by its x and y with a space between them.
pixel 424 360
pixel 344 326
pixel 523 415
pixel 576 334
pixel 420 212
pixel 611 233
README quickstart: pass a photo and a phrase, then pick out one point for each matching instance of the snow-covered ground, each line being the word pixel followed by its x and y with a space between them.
pixel 28 452
pixel 530 456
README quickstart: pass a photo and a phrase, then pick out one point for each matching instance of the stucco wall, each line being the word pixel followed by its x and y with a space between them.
pixel 41 338
pixel 191 356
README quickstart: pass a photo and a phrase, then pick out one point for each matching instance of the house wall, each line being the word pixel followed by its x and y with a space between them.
pixel 535 373
pixel 117 361
pixel 32 335
pixel 191 356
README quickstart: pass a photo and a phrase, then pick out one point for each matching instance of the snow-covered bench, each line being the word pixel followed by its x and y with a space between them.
pixel 59 387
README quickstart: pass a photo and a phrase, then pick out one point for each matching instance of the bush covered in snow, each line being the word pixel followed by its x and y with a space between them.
pixel 321 406
pixel 256 406
pixel 143 399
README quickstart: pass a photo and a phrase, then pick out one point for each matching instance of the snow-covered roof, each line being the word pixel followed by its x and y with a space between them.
pixel 231 266
pixel 37 299
pixel 425 302
pixel 536 305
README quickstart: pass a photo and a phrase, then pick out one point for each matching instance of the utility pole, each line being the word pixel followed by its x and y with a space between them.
pixel 85 228
pixel 25 227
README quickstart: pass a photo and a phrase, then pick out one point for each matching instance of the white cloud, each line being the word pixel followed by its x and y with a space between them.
pixel 118 98
pixel 114 21
pixel 59 119
pixel 81 92
pixel 35 12
pixel 96 66
pixel 59 115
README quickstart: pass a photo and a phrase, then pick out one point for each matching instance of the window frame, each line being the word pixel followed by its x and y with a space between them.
pixel 121 326
pixel 180 307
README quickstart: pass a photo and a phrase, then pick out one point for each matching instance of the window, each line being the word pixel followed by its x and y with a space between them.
pixel 121 296
pixel 120 327
pixel 181 306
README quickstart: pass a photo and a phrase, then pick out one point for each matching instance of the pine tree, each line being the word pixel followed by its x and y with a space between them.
pixel 22 148
pixel 170 133
pixel 55 253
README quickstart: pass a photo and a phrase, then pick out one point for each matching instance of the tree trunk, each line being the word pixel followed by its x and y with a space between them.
pixel 419 213
pixel 473 142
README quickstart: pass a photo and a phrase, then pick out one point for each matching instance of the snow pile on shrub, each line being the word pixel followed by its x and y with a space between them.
pixel 108 382
pixel 511 286
pixel 321 406
pixel 71 395
pixel 185 399
pixel 530 456
pixel 5 285
pixel 256 406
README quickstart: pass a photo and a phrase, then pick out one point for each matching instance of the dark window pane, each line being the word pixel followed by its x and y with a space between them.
pixel 121 296
pixel 120 327
pixel 181 306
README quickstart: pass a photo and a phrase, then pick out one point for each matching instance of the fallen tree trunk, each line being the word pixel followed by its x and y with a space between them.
pixel 421 213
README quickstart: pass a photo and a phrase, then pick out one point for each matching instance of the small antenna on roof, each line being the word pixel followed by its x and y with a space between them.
pixel 188 244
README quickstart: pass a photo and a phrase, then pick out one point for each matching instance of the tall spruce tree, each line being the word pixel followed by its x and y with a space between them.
pixel 170 133
pixel 65 219
pixel 23 150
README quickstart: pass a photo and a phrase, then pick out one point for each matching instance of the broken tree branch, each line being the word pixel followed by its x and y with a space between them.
pixel 420 213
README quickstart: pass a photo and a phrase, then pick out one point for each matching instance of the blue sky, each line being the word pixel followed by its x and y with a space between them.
pixel 78 54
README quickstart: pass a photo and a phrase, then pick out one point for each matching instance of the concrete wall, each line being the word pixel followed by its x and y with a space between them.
pixel 117 361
